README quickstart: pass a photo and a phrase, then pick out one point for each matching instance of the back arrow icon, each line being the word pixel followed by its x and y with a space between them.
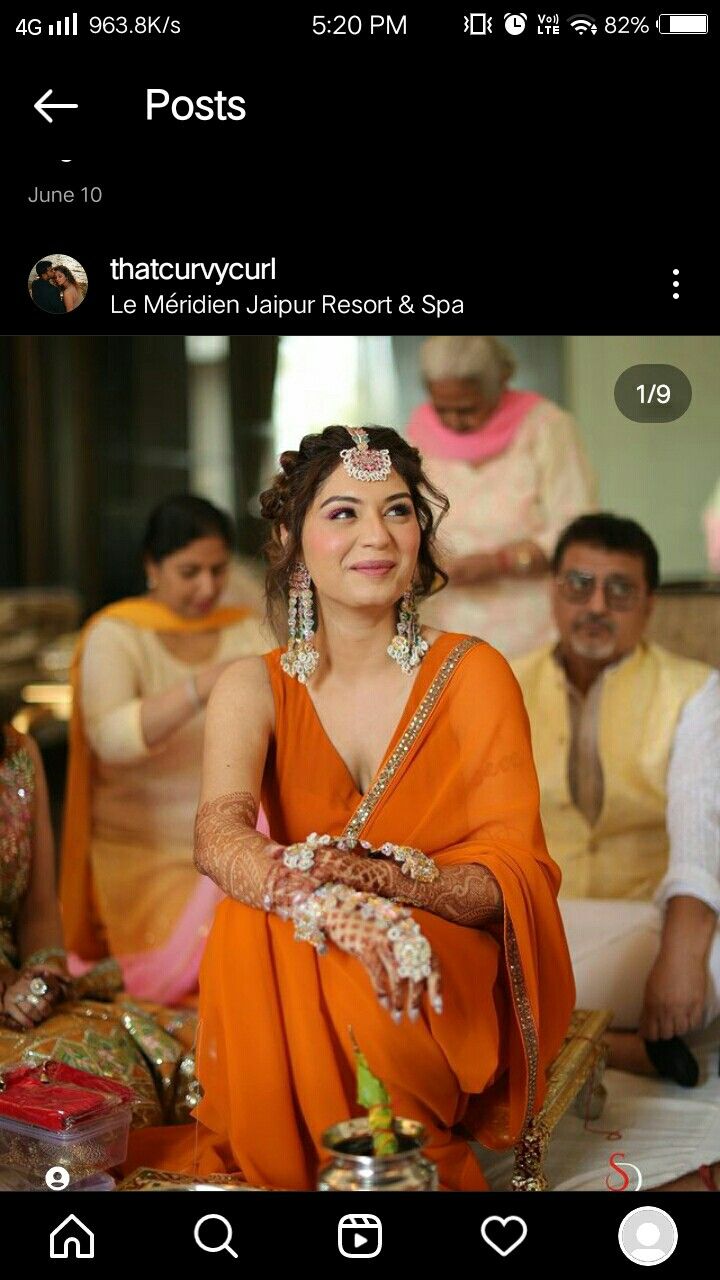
pixel 43 106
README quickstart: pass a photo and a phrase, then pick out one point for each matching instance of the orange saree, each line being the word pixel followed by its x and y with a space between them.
pixel 274 1055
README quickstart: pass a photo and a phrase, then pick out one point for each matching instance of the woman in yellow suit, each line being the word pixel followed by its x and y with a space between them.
pixel 142 674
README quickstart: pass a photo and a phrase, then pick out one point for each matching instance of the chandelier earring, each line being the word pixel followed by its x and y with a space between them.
pixel 301 657
pixel 408 648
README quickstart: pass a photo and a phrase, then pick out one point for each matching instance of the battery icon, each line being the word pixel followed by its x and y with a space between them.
pixel 683 24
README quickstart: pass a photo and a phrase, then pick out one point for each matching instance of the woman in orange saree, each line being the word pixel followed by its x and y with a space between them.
pixel 426 790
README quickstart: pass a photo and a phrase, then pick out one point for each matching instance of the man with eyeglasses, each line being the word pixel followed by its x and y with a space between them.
pixel 626 738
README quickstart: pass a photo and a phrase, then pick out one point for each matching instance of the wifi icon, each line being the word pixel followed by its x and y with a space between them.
pixel 582 23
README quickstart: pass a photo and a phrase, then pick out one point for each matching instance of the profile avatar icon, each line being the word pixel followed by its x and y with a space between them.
pixel 57 284
pixel 57 1178
pixel 647 1236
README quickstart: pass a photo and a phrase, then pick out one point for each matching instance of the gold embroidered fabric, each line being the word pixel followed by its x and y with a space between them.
pixel 142 1044
pixel 17 795
pixel 524 1014
pixel 96 1029
pixel 144 1179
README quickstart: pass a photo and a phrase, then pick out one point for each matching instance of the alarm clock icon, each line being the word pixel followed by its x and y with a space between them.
pixel 515 23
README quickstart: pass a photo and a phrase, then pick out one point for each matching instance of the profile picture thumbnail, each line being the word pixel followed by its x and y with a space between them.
pixel 57 284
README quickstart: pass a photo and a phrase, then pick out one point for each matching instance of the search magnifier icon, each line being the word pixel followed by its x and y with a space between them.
pixel 215 1248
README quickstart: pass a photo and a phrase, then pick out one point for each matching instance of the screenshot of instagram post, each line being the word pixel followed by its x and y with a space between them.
pixel 359 667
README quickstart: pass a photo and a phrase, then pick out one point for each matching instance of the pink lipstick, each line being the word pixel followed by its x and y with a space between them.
pixel 374 568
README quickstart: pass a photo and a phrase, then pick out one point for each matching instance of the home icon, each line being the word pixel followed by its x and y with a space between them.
pixel 72 1239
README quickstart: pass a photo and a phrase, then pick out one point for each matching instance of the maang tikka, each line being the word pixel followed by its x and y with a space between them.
pixel 301 657
pixel 363 463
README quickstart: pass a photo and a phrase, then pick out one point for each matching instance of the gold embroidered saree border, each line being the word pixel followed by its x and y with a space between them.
pixel 367 807
pixel 523 1011
pixel 374 795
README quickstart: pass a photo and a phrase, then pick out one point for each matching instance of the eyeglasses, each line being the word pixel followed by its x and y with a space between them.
pixel 577 587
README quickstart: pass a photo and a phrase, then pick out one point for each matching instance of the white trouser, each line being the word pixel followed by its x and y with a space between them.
pixel 613 944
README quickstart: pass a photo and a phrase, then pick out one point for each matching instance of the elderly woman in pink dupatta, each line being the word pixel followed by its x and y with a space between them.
pixel 512 465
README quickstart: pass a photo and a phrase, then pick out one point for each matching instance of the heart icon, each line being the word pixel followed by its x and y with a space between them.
pixel 509 1233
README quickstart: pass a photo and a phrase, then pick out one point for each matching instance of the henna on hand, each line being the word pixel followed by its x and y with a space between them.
pixel 353 926
pixel 230 850
pixel 468 895
pixel 246 864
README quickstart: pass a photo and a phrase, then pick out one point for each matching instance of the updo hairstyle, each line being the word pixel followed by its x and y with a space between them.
pixel 286 503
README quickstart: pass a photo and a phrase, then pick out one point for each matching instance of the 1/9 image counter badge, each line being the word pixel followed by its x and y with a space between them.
pixel 653 393
pixel 57 284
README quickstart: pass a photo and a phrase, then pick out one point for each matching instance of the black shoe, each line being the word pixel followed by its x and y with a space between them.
pixel 673 1060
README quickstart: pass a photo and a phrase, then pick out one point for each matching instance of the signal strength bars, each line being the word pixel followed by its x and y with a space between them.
pixel 64 26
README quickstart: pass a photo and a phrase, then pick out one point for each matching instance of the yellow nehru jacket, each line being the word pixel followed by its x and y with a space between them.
pixel 624 854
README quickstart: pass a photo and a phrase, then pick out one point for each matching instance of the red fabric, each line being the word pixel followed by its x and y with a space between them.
pixel 56 1096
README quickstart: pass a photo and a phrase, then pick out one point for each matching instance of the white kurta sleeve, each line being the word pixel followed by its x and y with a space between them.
pixel 110 694
pixel 693 811
pixel 566 484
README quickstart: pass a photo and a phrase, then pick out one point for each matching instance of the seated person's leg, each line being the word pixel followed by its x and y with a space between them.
pixel 614 946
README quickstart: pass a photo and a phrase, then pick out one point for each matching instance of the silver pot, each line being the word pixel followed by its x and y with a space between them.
pixel 355 1168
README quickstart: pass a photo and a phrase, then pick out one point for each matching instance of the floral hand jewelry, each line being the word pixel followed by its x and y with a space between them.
pixel 413 862
pixel 410 948
pixel 301 855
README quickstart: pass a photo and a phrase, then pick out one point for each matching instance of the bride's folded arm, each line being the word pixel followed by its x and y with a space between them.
pixel 467 895
pixel 245 864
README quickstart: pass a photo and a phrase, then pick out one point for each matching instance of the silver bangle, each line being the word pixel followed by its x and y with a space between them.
pixel 191 686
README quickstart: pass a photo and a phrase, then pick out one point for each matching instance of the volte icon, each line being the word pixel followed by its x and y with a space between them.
pixel 548 24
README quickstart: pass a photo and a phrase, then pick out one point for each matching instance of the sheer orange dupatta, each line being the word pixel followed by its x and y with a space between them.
pixel 82 932
pixel 461 785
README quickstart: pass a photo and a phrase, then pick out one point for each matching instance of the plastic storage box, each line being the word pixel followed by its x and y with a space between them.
pixel 85 1149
